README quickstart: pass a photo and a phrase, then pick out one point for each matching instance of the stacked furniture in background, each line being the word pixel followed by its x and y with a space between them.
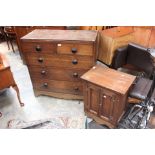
pixel 57 58
pixel 116 37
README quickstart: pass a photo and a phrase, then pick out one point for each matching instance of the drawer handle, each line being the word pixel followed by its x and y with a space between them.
pixel 75 75
pixel 74 62
pixel 40 60
pixel 45 85
pixel 74 50
pixel 38 48
pixel 43 72
pixel 76 89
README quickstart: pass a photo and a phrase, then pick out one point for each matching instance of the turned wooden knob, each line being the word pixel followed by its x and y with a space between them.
pixel 75 75
pixel 40 60
pixel 74 50
pixel 45 85
pixel 43 72
pixel 76 88
pixel 38 48
pixel 74 62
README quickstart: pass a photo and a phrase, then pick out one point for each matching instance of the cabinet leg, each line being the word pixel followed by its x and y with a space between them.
pixel 15 87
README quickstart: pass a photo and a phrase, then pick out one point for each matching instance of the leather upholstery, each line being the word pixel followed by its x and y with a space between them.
pixel 135 55
pixel 139 57
pixel 141 88
pixel 120 57
pixel 153 96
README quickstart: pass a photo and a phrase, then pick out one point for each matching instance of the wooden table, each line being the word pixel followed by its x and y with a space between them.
pixel 105 94
pixel 6 77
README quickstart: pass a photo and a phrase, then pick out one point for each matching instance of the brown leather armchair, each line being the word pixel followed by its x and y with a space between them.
pixel 136 58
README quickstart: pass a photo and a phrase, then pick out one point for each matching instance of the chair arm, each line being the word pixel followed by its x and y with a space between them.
pixel 119 58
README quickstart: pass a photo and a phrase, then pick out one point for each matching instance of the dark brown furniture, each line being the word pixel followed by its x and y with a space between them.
pixel 6 77
pixel 105 94
pixel 57 58
pixel 23 30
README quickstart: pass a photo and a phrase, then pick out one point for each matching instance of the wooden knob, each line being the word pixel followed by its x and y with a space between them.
pixel 38 48
pixel 40 60
pixel 104 96
pixel 74 62
pixel 45 85
pixel 76 88
pixel 74 50
pixel 43 72
pixel 75 75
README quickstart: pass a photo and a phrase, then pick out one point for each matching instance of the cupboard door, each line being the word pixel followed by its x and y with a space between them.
pixel 106 106
pixel 93 99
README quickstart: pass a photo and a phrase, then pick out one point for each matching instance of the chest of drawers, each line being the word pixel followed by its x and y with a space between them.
pixel 57 58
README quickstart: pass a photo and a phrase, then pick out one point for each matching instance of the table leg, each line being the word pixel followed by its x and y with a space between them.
pixel 18 95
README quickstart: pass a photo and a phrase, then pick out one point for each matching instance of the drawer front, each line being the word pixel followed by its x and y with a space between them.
pixel 58 86
pixel 56 73
pixel 66 61
pixel 79 49
pixel 39 47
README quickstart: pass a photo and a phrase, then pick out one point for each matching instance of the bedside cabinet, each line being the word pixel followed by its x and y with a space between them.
pixel 105 94
pixel 57 58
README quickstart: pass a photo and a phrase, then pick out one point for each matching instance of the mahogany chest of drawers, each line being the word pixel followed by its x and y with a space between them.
pixel 105 94
pixel 57 58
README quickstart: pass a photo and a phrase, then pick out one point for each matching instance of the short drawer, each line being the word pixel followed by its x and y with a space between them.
pixel 56 73
pixel 58 86
pixel 79 49
pixel 39 47
pixel 66 61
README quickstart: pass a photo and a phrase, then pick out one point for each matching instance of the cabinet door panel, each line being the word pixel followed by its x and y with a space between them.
pixel 107 105
pixel 93 99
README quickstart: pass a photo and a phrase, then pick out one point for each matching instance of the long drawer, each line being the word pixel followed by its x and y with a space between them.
pixel 58 86
pixel 52 73
pixel 56 60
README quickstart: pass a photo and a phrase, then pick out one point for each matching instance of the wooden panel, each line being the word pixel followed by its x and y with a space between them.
pixel 118 31
pixel 152 39
pixel 39 47
pixel 93 98
pixel 58 86
pixel 81 49
pixel 142 36
pixel 59 61
pixel 101 76
pixel 56 73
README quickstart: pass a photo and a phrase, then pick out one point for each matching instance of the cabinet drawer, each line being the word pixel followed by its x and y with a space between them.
pixel 67 61
pixel 39 47
pixel 56 73
pixel 58 86
pixel 79 49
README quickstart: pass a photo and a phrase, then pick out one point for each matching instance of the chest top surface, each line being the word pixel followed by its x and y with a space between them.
pixel 108 78
pixel 60 35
